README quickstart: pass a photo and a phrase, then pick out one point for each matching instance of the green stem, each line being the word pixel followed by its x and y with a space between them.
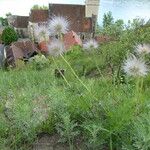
pixel 76 74
pixel 137 89
pixel 111 143
pixel 97 65
pixel 80 80
pixel 70 144
pixel 61 72
pixel 141 85
pixel 140 88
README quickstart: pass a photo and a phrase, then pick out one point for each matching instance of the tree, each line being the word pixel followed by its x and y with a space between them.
pixel 8 14
pixel 9 35
pixel 108 20
pixel 3 21
pixel 39 7
pixel 98 28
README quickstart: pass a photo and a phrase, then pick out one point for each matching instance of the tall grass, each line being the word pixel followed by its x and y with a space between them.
pixel 35 101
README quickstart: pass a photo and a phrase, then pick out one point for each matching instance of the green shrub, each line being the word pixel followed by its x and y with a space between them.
pixel 39 62
pixel 142 132
pixel 37 7
pixel 108 19
pixel 90 109
pixel 9 35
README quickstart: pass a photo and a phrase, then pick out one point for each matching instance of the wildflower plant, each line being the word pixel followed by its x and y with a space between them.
pixel 67 129
pixel 141 132
pixel 42 33
pixel 93 131
pixel 39 62
pixel 58 25
pixel 143 49
pixel 56 47
pixel 90 45
pixel 135 67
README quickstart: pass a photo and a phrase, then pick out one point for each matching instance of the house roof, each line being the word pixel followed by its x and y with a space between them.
pixel 74 13
pixel 70 39
pixel 37 16
pixel 25 45
pixel 20 21
pixel 22 49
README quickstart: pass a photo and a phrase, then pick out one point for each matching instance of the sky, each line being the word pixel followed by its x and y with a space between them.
pixel 121 9
pixel 125 9
pixel 22 7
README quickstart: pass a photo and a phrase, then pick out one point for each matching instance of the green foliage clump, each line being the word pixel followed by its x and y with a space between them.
pixel 3 21
pixel 141 132
pixel 108 19
pixel 37 7
pixel 39 62
pixel 67 129
pixel 111 27
pixel 9 35
pixel 92 103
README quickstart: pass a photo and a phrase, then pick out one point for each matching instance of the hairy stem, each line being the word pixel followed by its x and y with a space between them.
pixel 72 70
pixel 61 72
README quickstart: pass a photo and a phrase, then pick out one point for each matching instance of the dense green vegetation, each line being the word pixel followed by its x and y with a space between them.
pixel 9 35
pixel 94 100
pixel 37 7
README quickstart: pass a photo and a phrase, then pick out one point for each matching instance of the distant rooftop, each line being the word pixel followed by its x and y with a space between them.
pixel 74 13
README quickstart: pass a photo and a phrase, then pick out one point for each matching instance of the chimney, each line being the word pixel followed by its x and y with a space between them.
pixel 92 8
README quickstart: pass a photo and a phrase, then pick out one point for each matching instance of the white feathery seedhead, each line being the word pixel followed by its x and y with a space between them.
pixel 55 48
pixel 90 44
pixel 58 25
pixel 42 33
pixel 135 67
pixel 143 48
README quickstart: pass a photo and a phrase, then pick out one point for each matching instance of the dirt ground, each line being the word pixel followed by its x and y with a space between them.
pixel 51 142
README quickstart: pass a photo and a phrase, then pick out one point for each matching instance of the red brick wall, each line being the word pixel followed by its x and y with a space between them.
pixel 74 13
pixel 37 16
pixel 21 21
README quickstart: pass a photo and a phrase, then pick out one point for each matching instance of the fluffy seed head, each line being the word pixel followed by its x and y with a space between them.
pixel 42 33
pixel 58 25
pixel 90 44
pixel 55 48
pixel 135 67
pixel 143 48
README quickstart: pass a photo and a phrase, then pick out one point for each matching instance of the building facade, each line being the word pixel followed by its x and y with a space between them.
pixel 20 24
pixel 92 7
pixel 76 14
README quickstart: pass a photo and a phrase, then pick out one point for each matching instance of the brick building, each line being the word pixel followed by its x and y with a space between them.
pixel 82 19
pixel 20 23
pixel 76 14
pixel 38 15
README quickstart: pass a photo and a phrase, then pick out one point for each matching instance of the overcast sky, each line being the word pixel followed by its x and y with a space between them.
pixel 121 9
pixel 22 7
